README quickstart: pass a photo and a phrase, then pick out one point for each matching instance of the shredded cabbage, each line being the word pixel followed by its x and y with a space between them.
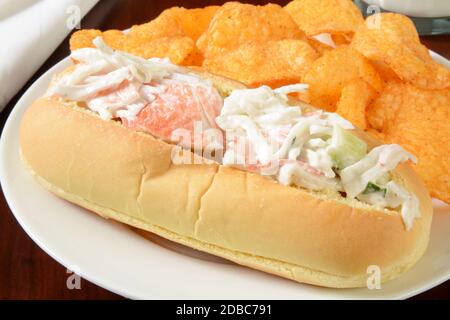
pixel 264 133
pixel 375 164
pixel 111 82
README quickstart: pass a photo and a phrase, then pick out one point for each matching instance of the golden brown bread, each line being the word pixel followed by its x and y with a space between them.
pixel 128 176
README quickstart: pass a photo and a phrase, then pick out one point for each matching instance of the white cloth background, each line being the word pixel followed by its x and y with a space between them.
pixel 30 30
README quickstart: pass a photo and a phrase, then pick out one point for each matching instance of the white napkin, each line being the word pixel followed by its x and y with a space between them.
pixel 30 30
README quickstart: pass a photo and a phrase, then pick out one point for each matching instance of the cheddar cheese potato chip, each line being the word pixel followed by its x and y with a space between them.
pixel 355 97
pixel 341 39
pixel 236 23
pixel 275 63
pixel 325 16
pixel 114 38
pixel 164 26
pixel 330 73
pixel 83 38
pixel 180 50
pixel 392 39
pixel 419 120
pixel 175 22
pixel 320 47
pixel 386 73
pixel 381 113
pixel 193 21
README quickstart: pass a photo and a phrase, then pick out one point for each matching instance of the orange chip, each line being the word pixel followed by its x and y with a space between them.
pixel 320 47
pixel 193 21
pixel 417 119
pixel 393 40
pixel 330 73
pixel 180 50
pixel 355 97
pixel 379 115
pixel 235 24
pixel 386 73
pixel 163 26
pixel 114 38
pixel 376 134
pixel 83 38
pixel 341 39
pixel 275 63
pixel 325 16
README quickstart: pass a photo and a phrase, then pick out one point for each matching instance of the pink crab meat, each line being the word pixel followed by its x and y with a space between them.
pixel 178 105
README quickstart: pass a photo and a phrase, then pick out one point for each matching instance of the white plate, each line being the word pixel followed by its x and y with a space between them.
pixel 116 258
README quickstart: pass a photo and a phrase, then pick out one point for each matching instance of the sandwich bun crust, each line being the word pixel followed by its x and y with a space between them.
pixel 128 176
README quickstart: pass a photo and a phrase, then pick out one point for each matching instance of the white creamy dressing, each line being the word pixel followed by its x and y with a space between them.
pixel 116 84
pixel 267 135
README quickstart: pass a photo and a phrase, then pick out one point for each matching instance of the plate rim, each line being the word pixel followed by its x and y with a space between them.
pixel 44 246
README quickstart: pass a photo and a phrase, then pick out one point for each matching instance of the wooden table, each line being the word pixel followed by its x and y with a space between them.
pixel 27 272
